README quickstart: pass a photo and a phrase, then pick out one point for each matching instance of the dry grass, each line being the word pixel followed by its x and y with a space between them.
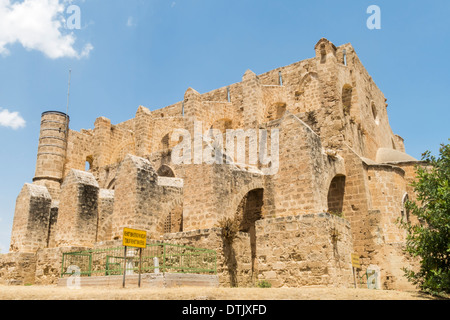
pixel 62 293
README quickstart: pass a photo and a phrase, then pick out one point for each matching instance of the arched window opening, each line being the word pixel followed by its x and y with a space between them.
pixel 165 142
pixel 347 93
pixel 375 113
pixel 88 163
pixel 222 125
pixel 276 111
pixel 165 171
pixel 336 195
pixel 323 54
pixel 281 110
pixel 405 211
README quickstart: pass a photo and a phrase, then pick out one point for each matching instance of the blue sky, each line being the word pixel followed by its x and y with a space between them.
pixel 136 52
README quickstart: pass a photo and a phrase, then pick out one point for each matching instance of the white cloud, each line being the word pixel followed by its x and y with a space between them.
pixel 130 22
pixel 11 119
pixel 173 4
pixel 37 25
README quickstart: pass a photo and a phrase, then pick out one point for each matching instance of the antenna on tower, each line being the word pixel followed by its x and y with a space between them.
pixel 68 92
pixel 67 108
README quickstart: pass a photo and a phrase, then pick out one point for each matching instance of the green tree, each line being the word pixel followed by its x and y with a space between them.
pixel 429 239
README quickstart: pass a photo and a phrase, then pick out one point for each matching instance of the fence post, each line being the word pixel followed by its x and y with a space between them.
pixel 90 264
pixel 164 258
pixel 62 265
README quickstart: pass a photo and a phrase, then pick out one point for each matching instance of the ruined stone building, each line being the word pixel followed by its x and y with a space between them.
pixel 342 180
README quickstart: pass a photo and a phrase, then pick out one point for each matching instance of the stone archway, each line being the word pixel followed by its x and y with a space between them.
pixel 250 210
pixel 222 125
pixel 126 147
pixel 308 96
pixel 336 194
pixel 166 171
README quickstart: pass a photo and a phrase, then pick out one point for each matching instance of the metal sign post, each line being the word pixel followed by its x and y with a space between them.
pixel 355 265
pixel 124 266
pixel 140 266
pixel 136 239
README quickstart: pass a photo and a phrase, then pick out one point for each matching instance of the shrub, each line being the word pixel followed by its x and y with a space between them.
pixel 429 240
pixel 264 284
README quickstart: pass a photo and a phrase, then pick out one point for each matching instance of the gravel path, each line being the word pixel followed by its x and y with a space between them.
pixel 58 293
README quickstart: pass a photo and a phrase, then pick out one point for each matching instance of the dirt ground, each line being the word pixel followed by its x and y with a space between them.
pixel 62 293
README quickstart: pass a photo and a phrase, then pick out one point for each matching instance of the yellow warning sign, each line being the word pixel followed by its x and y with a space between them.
pixel 355 261
pixel 134 238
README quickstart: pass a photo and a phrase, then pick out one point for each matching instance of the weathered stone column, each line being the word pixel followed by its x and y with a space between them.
pixel 140 201
pixel 143 124
pixel 78 210
pixel 193 106
pixel 105 212
pixel 136 179
pixel 253 100
pixel 102 142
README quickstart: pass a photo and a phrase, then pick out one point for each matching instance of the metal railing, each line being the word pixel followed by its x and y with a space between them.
pixel 156 257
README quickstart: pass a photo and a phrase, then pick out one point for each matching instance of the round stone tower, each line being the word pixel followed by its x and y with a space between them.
pixel 52 151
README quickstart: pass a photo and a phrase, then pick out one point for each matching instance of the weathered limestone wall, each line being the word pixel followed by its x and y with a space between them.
pixel 79 148
pixel 366 123
pixel 333 122
pixel 305 173
pixel 297 251
pixel 387 188
pixel 105 145
pixel 392 259
pixel 48 264
pixel 313 89
pixel 160 132
pixel 389 257
pixel 372 204
pixel 17 268
pixel 52 224
pixel 252 99
pixel 120 142
pixel 233 262
pixel 174 110
pixel 316 88
pixel 31 219
pixel 410 175
pixel 356 205
pixel 140 202
pixel 213 192
pixel 106 176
